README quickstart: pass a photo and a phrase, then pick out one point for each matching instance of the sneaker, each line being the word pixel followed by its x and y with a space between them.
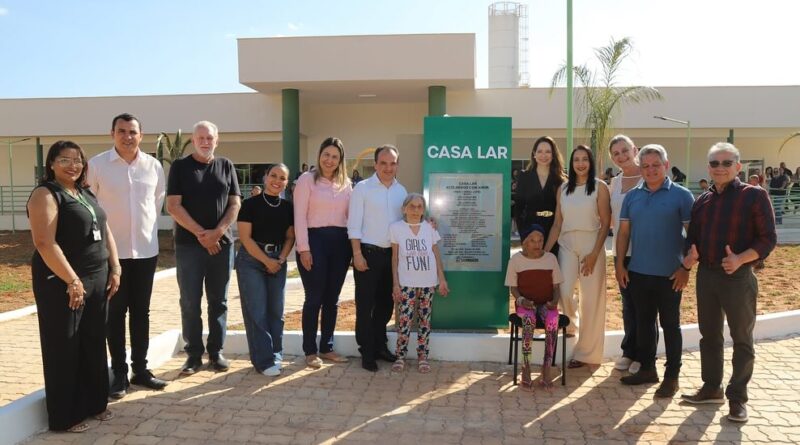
pixel 635 367
pixel 668 388
pixel 312 361
pixel 218 362
pixel 738 411
pixel 640 378
pixel 272 371
pixel 623 363
pixel 705 395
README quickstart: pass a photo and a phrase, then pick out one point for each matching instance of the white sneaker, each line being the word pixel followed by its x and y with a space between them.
pixel 635 366
pixel 623 363
pixel 272 371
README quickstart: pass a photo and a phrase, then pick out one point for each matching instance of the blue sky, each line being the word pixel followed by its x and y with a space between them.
pixel 51 48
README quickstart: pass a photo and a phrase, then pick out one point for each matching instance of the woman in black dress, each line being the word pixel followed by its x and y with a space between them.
pixel 535 198
pixel 75 271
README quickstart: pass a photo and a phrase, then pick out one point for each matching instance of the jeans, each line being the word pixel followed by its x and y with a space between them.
pixel 653 295
pixel 195 266
pixel 331 253
pixel 133 298
pixel 374 302
pixel 721 296
pixel 262 295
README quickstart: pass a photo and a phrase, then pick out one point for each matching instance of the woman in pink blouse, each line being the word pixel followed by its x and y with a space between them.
pixel 321 200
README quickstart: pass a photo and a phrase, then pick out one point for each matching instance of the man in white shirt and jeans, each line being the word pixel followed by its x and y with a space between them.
pixel 130 186
pixel 374 205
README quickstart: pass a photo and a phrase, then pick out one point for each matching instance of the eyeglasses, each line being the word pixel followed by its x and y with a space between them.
pixel 66 162
pixel 726 163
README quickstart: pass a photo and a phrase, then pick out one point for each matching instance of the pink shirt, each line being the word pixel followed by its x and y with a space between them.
pixel 318 205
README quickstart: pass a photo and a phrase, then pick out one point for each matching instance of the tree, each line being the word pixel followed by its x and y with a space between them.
pixel 599 97
pixel 174 147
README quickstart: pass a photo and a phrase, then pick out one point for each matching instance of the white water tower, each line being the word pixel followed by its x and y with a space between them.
pixel 508 45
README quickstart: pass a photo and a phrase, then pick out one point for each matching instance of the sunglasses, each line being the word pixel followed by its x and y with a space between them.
pixel 726 163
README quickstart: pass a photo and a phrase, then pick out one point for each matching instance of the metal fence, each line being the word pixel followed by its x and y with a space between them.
pixel 14 200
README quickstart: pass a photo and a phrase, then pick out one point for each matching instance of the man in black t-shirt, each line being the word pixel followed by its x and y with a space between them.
pixel 203 197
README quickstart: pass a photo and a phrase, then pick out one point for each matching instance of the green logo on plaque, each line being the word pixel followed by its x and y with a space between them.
pixel 466 174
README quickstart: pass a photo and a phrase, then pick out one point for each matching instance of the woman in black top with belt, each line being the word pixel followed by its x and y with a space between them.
pixel 266 231
pixel 75 271
pixel 535 198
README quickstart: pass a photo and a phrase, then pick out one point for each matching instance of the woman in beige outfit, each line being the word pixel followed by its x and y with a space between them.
pixel 583 215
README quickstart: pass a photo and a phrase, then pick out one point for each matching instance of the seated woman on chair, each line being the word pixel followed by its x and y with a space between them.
pixel 533 277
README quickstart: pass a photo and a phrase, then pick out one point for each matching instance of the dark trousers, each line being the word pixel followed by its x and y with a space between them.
pixel 374 302
pixel 133 298
pixel 720 295
pixel 629 322
pixel 653 296
pixel 195 268
pixel 73 347
pixel 331 254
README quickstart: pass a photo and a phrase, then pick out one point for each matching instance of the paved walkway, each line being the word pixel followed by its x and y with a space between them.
pixel 457 403
pixel 21 356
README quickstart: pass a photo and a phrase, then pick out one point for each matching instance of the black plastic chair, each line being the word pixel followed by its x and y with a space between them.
pixel 515 324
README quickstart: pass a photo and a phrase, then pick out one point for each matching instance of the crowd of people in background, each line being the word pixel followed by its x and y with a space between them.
pixel 94 226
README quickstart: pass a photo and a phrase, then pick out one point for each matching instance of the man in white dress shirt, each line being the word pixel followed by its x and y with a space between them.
pixel 374 205
pixel 129 185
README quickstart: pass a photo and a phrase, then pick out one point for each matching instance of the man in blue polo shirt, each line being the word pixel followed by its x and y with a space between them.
pixel 653 218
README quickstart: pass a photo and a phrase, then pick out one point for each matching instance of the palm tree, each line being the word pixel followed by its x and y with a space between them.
pixel 600 97
pixel 790 137
pixel 174 147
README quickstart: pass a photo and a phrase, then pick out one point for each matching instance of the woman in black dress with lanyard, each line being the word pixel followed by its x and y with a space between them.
pixel 535 198
pixel 75 271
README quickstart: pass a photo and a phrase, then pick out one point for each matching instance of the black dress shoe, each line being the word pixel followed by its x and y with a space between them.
pixel 641 377
pixel 148 380
pixel 218 362
pixel 386 355
pixel 191 365
pixel 369 365
pixel 119 388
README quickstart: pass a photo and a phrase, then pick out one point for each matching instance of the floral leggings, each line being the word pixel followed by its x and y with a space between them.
pixel 417 299
pixel 550 319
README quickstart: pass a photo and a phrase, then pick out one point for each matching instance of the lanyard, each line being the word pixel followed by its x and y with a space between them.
pixel 82 200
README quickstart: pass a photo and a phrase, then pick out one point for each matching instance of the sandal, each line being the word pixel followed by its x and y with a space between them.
pixel 424 367
pixel 398 365
pixel 575 364
pixel 105 415
pixel 78 428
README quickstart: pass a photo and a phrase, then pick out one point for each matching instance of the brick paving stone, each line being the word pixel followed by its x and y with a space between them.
pixel 467 403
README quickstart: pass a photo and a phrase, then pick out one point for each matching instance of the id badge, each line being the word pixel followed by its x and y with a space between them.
pixel 98 236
